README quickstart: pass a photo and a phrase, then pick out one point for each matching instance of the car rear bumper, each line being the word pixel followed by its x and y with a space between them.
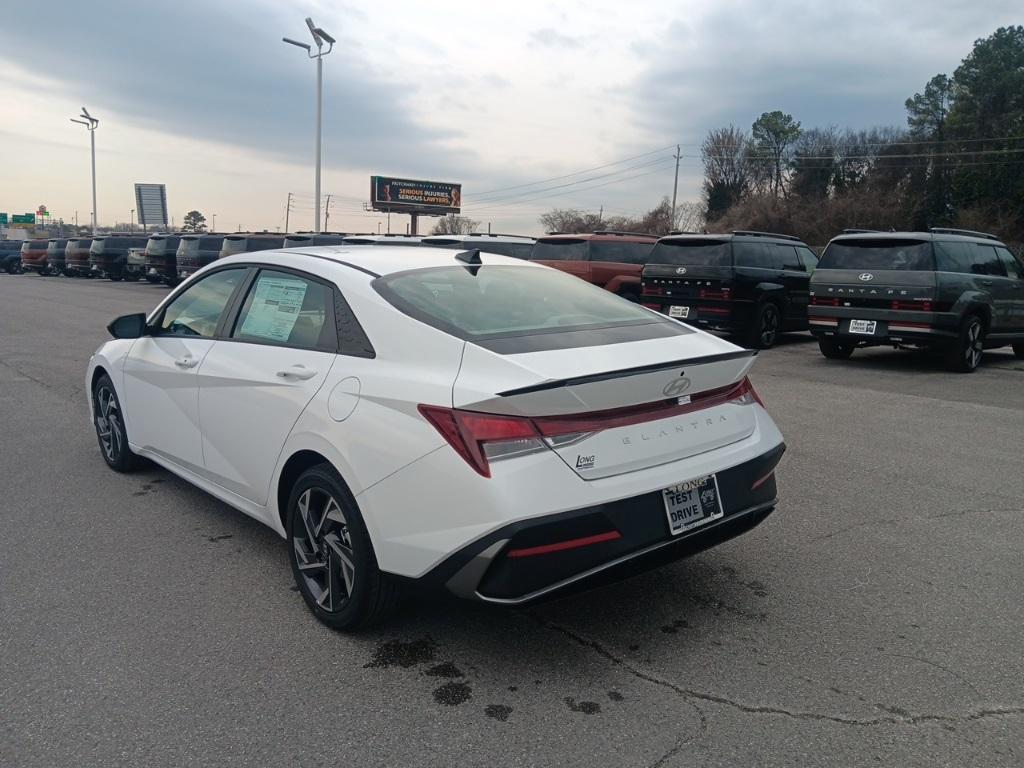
pixel 534 559
pixel 732 316
pixel 891 326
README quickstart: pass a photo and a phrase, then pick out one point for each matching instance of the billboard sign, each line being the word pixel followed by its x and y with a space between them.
pixel 433 198
pixel 3 220
pixel 151 204
pixel 23 220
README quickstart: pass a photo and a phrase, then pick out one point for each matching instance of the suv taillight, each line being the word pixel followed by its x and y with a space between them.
pixel 723 294
pixel 915 305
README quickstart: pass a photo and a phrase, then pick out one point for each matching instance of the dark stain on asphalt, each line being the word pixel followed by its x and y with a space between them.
pixel 513 688
pixel 586 707
pixel 445 669
pixel 215 539
pixel 757 588
pixel 615 696
pixel 498 711
pixel 398 653
pixel 674 627
pixel 452 694
pixel 634 647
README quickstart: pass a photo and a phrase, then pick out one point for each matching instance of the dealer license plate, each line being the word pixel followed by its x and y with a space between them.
pixel 865 327
pixel 678 311
pixel 692 504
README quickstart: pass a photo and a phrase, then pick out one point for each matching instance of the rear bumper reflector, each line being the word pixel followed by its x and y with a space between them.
pixel 822 321
pixel 561 546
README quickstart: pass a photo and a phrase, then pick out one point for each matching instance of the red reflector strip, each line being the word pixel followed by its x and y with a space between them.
pixel 763 480
pixel 713 310
pixel 561 546
pixel 909 326
pixel 823 320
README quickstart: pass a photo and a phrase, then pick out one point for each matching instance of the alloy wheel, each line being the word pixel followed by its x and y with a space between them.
pixel 769 325
pixel 323 550
pixel 974 347
pixel 108 423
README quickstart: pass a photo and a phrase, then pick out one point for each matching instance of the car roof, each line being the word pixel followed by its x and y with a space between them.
pixel 600 236
pixel 380 260
pixel 739 234
pixel 963 236
pixel 486 236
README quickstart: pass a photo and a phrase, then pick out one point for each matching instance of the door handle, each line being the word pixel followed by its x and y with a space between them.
pixel 186 362
pixel 300 372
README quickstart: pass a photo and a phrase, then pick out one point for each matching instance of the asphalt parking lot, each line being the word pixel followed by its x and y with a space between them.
pixel 874 619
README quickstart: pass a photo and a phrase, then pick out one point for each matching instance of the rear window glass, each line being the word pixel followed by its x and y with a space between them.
pixel 906 255
pixel 506 301
pixel 625 253
pixel 692 253
pixel 559 250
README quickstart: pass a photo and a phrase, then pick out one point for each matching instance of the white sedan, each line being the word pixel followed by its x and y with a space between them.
pixel 470 421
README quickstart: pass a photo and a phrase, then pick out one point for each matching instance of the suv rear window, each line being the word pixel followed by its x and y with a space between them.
pixel 559 250
pixel 624 253
pixel 505 301
pixel 692 253
pixel 877 253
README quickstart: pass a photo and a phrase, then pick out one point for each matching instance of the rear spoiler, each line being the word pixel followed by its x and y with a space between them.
pixel 689 363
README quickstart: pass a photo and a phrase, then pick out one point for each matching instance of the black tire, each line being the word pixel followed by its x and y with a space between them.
pixel 134 278
pixel 964 355
pixel 764 326
pixel 834 349
pixel 332 558
pixel 114 278
pixel 1018 350
pixel 110 431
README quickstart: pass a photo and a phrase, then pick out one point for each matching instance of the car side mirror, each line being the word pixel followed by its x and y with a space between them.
pixel 128 326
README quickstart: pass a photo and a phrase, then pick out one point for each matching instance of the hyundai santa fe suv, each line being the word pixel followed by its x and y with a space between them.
pixel 461 420
pixel 954 291
pixel 753 285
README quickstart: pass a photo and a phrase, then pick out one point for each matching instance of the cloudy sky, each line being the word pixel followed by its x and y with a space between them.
pixel 588 98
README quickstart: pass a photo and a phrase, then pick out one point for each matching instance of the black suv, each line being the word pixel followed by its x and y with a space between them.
pixel 750 284
pixel 952 290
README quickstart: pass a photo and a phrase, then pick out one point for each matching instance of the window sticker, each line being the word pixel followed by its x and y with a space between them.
pixel 275 308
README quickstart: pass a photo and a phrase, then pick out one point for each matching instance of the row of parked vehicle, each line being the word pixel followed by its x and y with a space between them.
pixel 956 291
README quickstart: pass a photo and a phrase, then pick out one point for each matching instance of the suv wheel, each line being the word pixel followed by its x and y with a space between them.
pixel 834 349
pixel 331 555
pixel 764 329
pixel 964 355
pixel 110 431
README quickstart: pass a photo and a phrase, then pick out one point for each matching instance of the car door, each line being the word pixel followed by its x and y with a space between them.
pixel 1014 289
pixel 992 278
pixel 257 380
pixel 796 280
pixel 161 397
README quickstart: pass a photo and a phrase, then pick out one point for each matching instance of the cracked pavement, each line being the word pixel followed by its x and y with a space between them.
pixel 875 618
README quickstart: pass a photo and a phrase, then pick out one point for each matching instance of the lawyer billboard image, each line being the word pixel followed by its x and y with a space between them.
pixel 414 196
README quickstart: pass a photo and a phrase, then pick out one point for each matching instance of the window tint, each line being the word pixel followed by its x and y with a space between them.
pixel 807 257
pixel 692 253
pixel 986 261
pixel 1010 264
pixel 787 258
pixel 559 250
pixel 878 253
pixel 954 257
pixel 198 309
pixel 516 250
pixel 626 253
pixel 286 309
pixel 506 300
pixel 760 255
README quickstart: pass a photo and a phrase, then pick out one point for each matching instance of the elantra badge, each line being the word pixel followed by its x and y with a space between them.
pixel 680 270
pixel 676 388
pixel 865 276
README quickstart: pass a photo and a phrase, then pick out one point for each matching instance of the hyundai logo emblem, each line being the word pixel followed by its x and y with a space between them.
pixel 676 387
pixel 680 270
pixel 865 276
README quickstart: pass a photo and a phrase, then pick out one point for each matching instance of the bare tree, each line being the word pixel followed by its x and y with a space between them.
pixel 727 169
pixel 572 220
pixel 689 216
pixel 455 225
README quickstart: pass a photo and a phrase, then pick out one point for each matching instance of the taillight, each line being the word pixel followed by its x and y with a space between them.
pixel 651 290
pixel 480 438
pixel 722 295
pixel 824 301
pixel 915 305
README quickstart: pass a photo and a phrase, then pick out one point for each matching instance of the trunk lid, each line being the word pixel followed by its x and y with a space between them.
pixel 876 288
pixel 585 384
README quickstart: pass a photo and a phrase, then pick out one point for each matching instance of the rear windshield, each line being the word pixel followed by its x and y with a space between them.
pixel 559 250
pixel 692 253
pixel 505 301
pixel 906 255
pixel 625 253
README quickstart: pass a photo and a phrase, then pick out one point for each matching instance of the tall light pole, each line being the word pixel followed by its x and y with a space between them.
pixel 214 222
pixel 91 122
pixel 319 38
pixel 132 226
pixel 675 188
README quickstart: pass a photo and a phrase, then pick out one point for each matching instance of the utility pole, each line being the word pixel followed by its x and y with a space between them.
pixel 287 211
pixel 214 215
pixel 600 214
pixel 327 214
pixel 675 188
pixel 132 220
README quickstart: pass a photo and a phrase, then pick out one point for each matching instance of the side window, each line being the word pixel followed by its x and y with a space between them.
pixel 954 257
pixel 787 258
pixel 1010 264
pixel 197 310
pixel 986 261
pixel 753 255
pixel 288 310
pixel 808 258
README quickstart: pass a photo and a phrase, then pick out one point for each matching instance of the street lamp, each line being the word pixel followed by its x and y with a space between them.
pixel 91 122
pixel 319 38
pixel 131 228
pixel 215 222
